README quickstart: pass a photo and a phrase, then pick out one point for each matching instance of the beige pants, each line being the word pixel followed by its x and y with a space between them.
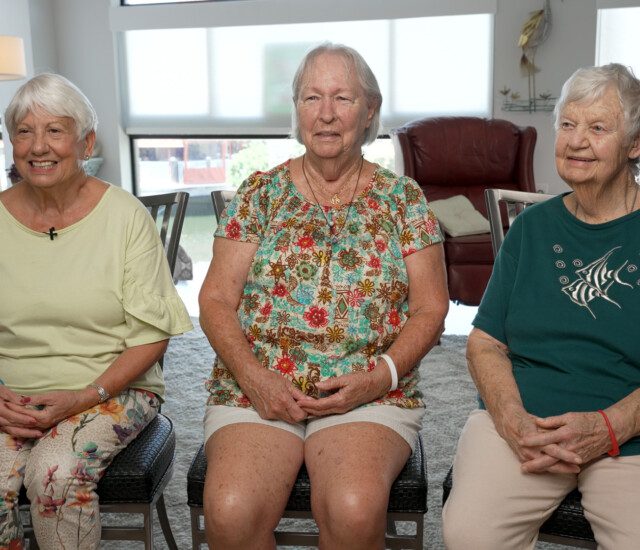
pixel 494 506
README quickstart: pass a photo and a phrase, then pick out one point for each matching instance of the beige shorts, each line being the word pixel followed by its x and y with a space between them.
pixel 405 422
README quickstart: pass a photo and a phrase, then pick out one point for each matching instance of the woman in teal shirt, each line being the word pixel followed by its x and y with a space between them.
pixel 555 352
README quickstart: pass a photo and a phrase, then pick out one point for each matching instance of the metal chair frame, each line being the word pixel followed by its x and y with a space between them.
pixel 167 201
pixel 514 202
pixel 172 207
pixel 220 200
pixel 393 540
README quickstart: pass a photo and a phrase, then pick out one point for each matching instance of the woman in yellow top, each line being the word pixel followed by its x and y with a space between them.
pixel 87 306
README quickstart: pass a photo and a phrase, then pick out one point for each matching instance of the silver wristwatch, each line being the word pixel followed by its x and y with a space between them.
pixel 102 393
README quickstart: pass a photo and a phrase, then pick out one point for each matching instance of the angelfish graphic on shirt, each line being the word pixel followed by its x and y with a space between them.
pixel 594 280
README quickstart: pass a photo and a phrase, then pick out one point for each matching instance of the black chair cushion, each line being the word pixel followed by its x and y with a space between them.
pixel 408 493
pixel 566 521
pixel 135 474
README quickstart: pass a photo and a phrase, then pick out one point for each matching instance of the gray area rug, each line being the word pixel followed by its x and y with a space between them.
pixel 450 396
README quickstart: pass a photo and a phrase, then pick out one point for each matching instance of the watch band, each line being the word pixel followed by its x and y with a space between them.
pixel 102 393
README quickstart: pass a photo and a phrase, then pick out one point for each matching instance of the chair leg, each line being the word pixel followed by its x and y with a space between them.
pixel 148 528
pixel 164 523
pixel 391 526
pixel 195 528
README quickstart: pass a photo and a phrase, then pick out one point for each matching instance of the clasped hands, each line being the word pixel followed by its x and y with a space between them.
pixel 556 444
pixel 30 417
pixel 276 398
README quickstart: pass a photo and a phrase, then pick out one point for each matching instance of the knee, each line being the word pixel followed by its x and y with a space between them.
pixel 461 535
pixel 465 525
pixel 355 512
pixel 227 515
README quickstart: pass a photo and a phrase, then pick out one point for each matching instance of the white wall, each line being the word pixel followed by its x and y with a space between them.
pixel 87 56
pixel 85 53
pixel 571 44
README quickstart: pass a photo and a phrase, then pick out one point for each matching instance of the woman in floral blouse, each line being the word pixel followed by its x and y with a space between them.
pixel 326 290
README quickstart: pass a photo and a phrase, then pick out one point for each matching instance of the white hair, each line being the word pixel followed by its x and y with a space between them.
pixel 591 83
pixel 57 96
pixel 365 76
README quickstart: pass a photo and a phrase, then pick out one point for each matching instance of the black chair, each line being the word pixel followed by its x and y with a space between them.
pixel 407 503
pixel 168 211
pixel 135 480
pixel 220 200
pixel 567 525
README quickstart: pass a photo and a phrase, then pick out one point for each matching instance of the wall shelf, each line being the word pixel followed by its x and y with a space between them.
pixel 530 105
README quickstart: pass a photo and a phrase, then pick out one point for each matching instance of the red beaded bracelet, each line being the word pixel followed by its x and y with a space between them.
pixel 615 449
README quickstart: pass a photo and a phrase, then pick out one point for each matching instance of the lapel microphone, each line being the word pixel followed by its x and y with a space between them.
pixel 52 233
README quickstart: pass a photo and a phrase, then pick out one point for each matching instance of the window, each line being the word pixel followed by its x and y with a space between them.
pixel 618 40
pixel 237 80
pixel 148 2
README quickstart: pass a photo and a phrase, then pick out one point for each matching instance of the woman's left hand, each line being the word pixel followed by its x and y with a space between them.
pixel 583 433
pixel 55 406
pixel 346 392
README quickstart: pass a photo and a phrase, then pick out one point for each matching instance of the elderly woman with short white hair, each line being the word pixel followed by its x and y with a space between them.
pixel 87 305
pixel 327 288
pixel 555 352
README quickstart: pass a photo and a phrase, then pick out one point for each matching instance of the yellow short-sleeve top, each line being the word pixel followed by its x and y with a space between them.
pixel 69 306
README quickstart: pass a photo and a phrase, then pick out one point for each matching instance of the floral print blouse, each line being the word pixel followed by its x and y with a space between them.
pixel 316 304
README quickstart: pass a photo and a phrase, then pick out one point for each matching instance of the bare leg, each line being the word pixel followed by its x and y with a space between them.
pixel 251 469
pixel 352 467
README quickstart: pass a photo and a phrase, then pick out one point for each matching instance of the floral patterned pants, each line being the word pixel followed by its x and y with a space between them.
pixel 61 471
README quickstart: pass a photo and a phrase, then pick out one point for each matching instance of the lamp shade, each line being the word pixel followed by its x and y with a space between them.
pixel 12 63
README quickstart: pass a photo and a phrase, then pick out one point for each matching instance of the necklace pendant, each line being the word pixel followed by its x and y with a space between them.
pixel 335 200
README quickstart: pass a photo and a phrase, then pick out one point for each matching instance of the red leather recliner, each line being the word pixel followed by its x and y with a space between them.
pixel 451 156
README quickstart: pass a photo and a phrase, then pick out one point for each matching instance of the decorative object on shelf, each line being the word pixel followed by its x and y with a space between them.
pixel 535 31
pixel 544 102
pixel 92 165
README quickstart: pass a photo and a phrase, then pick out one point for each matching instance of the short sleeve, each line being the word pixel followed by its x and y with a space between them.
pixel 244 218
pixel 416 223
pixel 153 309
pixel 492 312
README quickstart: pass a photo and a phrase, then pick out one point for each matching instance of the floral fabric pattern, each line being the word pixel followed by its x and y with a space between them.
pixel 322 302
pixel 61 471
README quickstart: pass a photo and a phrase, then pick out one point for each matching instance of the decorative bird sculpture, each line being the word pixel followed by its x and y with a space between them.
pixel 534 32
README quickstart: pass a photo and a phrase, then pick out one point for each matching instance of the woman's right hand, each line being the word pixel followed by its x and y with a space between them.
pixel 514 425
pixel 15 419
pixel 273 396
pixel 492 372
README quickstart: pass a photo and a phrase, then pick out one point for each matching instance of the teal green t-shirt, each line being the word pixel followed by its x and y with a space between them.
pixel 564 297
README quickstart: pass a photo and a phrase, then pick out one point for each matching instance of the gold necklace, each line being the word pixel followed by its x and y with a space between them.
pixel 335 199
pixel 628 209
pixel 334 236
